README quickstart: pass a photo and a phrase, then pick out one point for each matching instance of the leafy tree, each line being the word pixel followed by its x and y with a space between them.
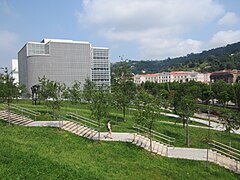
pixel 8 89
pixel 147 111
pixel 101 101
pixel 185 107
pixel 75 93
pixel 220 89
pixel 88 89
pixel 236 90
pixel 51 94
pixel 231 121
pixel 123 88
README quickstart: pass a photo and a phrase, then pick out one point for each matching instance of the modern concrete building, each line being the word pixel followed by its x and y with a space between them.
pixel 63 61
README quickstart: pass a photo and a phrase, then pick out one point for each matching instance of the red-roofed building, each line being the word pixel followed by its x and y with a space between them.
pixel 177 76
pixel 226 75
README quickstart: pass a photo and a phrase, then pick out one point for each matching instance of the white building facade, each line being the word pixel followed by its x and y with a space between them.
pixel 176 76
pixel 15 71
pixel 63 61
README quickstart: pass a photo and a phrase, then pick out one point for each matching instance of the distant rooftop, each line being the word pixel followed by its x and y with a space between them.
pixel 63 41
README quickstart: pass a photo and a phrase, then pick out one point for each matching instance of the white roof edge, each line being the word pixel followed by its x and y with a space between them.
pixel 45 40
pixel 34 43
pixel 100 48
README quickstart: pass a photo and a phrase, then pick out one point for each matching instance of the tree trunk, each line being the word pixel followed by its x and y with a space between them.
pixel 187 133
pixel 151 139
pixel 8 109
pixel 99 127
pixel 124 113
pixel 184 121
pixel 230 141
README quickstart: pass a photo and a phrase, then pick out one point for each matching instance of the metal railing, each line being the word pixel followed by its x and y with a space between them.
pixel 224 155
pixel 83 120
pixel 22 111
pixel 77 124
pixel 162 138
pixel 225 150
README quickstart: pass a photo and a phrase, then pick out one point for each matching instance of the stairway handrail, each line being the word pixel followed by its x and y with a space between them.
pixel 170 140
pixel 84 119
pixel 22 110
pixel 225 149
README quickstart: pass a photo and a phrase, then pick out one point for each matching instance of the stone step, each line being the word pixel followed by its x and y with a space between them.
pixel 78 129
pixel 86 129
pixel 21 121
pixel 67 125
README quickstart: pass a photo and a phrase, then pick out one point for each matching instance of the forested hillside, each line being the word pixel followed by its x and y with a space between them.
pixel 227 57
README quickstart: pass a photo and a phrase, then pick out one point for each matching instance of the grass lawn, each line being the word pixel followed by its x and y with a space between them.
pixel 198 137
pixel 50 153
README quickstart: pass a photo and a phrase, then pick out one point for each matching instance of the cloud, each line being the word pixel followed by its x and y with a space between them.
pixel 223 38
pixel 229 19
pixel 8 41
pixel 156 26
pixel 162 48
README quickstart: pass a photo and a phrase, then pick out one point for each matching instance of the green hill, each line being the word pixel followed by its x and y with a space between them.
pixel 227 57
pixel 50 153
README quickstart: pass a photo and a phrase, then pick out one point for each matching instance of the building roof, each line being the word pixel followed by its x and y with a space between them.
pixel 63 41
pixel 147 74
pixel 180 72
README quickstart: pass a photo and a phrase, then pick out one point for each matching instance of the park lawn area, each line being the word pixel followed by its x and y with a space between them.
pixel 50 153
pixel 198 136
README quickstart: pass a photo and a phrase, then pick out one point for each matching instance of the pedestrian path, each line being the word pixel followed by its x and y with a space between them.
pixel 188 153
pixel 116 136
pixel 213 125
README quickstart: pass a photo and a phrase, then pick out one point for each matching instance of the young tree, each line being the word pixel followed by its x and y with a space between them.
pixel 100 105
pixel 75 93
pixel 88 89
pixel 186 107
pixel 123 87
pixel 51 94
pixel 148 110
pixel 8 89
pixel 220 89
pixel 236 90
pixel 231 121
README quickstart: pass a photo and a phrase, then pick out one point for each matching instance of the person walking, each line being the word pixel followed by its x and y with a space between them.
pixel 109 129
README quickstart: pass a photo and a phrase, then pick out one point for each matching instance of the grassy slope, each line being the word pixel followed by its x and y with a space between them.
pixel 48 153
pixel 198 137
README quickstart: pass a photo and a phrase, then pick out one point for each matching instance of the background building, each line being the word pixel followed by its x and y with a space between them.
pixel 176 76
pixel 15 70
pixel 229 76
pixel 64 61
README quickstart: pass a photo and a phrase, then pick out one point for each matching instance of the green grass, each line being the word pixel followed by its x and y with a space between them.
pixel 198 137
pixel 49 153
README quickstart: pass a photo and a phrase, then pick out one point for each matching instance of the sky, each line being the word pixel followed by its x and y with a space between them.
pixel 131 29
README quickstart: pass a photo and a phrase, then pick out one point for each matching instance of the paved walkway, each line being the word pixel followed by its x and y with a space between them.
pixel 116 136
pixel 45 123
pixel 214 125
pixel 188 153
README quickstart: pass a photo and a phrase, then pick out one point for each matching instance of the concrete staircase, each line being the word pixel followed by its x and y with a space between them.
pixel 144 142
pixel 14 118
pixel 78 129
